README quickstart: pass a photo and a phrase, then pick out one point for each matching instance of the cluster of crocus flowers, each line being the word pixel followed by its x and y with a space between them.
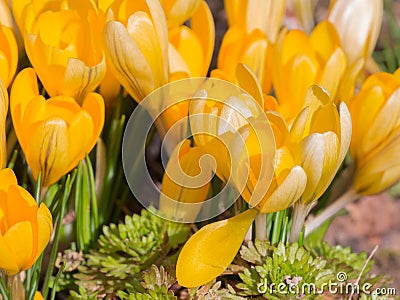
pixel 54 134
pixel 375 144
pixel 25 227
pixel 307 156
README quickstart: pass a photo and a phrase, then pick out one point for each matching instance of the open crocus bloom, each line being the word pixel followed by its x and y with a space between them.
pixel 136 45
pixel 64 47
pixel 25 228
pixel 375 143
pixel 54 134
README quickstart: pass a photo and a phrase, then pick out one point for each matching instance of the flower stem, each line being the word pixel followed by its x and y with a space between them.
pixel 261 227
pixel 348 197
pixel 299 216
pixel 54 249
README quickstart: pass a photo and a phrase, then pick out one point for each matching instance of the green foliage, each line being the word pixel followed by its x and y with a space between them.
pixel 283 268
pixel 214 292
pixel 355 265
pixel 125 250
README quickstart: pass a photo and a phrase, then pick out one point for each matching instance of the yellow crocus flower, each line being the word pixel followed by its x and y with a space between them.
pixel 358 23
pixel 300 61
pixel 265 15
pixel 136 45
pixel 254 26
pixel 8 54
pixel 64 46
pixel 303 12
pixel 375 144
pixel 186 181
pixel 3 117
pixel 322 136
pixel 25 227
pixel 178 11
pixel 190 49
pixel 54 134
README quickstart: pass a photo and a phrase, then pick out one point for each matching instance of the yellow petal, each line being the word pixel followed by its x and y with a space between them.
pixel 247 81
pixel 45 228
pixel 287 192
pixel 178 11
pixel 94 105
pixel 211 249
pixel 51 158
pixel 19 240
pixel 80 79
pixel 186 180
pixel 7 178
pixel 7 261
pixel 189 46
pixel 202 23
pixel 135 75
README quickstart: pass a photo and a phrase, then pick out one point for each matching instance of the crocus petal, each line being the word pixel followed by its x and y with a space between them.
pixel 7 261
pixel 287 191
pixel 51 158
pixel 212 249
pixel 45 228
pixel 79 79
pixel 19 240
pixel 202 23
pixel 7 178
pixel 135 75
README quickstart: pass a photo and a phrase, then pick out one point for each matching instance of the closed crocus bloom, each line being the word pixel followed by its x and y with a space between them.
pixel 375 144
pixel 25 228
pixel 54 134
pixel 322 136
pixel 254 25
pixel 250 48
pixel 8 54
pixel 300 61
pixel 303 12
pixel 3 117
pixel 187 183
pixel 190 49
pixel 64 46
pixel 358 23
pixel 136 44
pixel 289 179
pixel 178 11
pixel 265 15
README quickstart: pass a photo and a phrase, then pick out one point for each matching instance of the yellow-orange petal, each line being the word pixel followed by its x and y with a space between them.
pixel 7 178
pixel 19 240
pixel 211 249
pixel 7 262
pixel 45 228
pixel 51 158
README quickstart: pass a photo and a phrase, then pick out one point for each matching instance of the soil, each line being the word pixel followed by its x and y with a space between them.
pixel 372 221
